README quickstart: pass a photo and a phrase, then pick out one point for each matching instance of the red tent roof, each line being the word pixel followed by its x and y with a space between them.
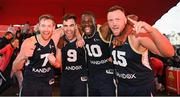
pixel 20 11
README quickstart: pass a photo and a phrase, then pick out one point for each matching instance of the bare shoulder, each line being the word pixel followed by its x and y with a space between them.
pixel 29 41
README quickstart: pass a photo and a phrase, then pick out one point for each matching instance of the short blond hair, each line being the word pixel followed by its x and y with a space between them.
pixel 47 16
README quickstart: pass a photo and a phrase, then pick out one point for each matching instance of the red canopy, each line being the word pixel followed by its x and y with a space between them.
pixel 20 11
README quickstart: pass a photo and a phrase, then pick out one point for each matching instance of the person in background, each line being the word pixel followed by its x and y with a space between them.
pixel 158 67
pixel 26 30
pixel 5 60
pixel 36 29
pixel 18 35
pixel 26 27
pixel 11 28
pixel 6 39
pixel 7 52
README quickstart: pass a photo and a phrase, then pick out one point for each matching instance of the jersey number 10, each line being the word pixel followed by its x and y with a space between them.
pixel 94 50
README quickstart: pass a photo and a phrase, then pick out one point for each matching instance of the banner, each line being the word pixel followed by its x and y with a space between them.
pixel 173 80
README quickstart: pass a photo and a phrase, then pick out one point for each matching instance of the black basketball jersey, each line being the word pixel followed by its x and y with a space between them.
pixel 73 61
pixel 38 66
pixel 97 53
pixel 128 65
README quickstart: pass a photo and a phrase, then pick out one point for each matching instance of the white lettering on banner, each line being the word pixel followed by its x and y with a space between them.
pixel 73 67
pixel 41 70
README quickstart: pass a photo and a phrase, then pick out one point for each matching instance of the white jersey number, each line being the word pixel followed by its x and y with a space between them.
pixel 119 58
pixel 94 50
pixel 72 55
pixel 45 56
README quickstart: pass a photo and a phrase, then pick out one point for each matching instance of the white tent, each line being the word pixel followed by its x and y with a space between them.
pixel 170 21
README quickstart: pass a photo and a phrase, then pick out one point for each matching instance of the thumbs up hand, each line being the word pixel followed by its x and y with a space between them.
pixel 27 49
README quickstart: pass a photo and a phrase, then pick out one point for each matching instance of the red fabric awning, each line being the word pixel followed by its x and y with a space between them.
pixel 20 11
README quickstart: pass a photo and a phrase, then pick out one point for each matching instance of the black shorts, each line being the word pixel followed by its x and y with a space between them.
pixel 69 87
pixel 36 88
pixel 143 90
pixel 101 85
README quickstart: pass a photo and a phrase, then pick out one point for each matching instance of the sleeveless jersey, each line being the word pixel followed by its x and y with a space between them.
pixel 97 53
pixel 128 66
pixel 38 66
pixel 73 60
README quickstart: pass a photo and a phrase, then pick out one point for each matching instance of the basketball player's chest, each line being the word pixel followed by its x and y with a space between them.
pixel 43 51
